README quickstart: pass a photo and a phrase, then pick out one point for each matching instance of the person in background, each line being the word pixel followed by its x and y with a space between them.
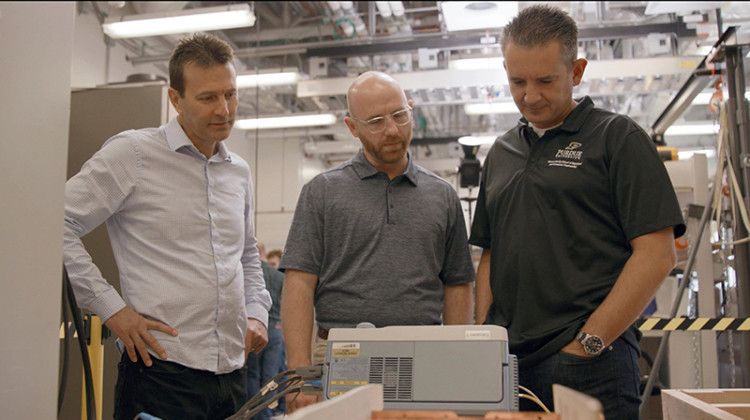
pixel 273 257
pixel 178 206
pixel 270 361
pixel 577 217
pixel 377 239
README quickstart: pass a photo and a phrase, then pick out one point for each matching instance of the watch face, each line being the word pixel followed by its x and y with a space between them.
pixel 593 344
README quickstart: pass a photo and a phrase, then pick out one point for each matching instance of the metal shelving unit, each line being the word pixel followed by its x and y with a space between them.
pixel 726 61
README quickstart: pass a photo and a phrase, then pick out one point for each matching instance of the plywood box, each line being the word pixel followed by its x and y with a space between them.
pixel 449 415
pixel 706 404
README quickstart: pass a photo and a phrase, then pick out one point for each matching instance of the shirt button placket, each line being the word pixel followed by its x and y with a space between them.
pixel 389 196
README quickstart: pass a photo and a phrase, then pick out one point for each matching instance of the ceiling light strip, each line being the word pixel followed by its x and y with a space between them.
pixel 491 108
pixel 691 129
pixel 476 140
pixel 183 21
pixel 286 122
pixel 267 79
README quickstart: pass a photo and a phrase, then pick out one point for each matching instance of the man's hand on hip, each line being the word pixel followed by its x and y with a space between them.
pixel 133 329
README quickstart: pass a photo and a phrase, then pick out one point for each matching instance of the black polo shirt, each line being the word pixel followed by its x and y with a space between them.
pixel 557 213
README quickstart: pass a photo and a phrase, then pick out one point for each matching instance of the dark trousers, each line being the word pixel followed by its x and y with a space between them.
pixel 170 391
pixel 613 377
pixel 265 365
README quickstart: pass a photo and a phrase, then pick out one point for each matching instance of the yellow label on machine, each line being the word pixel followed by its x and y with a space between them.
pixel 348 382
pixel 345 350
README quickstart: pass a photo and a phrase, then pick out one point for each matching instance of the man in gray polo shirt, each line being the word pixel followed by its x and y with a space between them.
pixel 376 239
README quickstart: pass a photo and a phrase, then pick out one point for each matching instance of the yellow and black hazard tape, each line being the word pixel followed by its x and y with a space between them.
pixel 693 324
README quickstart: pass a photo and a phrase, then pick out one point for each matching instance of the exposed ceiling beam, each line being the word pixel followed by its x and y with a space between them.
pixel 433 79
pixel 411 43
pixel 441 41
pixel 679 29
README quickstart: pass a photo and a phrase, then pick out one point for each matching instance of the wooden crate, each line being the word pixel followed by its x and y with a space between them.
pixel 706 404
pixel 449 415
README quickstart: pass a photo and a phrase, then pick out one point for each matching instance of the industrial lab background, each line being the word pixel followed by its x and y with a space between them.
pixel 52 51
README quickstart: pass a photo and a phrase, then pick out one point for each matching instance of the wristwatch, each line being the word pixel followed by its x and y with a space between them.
pixel 592 344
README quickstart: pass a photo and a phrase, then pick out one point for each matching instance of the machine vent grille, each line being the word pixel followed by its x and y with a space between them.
pixel 514 382
pixel 396 374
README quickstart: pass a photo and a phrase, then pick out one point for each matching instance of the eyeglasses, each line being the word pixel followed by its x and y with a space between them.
pixel 377 124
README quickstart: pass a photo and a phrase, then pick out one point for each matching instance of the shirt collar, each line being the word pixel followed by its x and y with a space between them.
pixel 178 139
pixel 574 121
pixel 364 168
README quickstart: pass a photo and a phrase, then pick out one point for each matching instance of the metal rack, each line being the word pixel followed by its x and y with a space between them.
pixel 725 59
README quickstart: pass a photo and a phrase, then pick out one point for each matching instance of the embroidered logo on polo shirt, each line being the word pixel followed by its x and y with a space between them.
pixel 568 157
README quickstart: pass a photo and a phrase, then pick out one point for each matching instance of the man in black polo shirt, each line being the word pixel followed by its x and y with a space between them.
pixel 577 218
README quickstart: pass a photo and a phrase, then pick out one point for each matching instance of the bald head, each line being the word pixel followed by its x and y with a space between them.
pixel 376 97
pixel 369 84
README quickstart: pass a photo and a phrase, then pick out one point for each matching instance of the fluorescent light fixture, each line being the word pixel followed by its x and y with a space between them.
pixel 468 15
pixel 476 63
pixel 692 129
pixel 476 140
pixel 181 21
pixel 703 50
pixel 491 108
pixel 285 77
pixel 286 122
pixel 704 97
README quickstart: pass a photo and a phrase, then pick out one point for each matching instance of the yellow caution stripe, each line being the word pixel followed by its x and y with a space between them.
pixel 693 324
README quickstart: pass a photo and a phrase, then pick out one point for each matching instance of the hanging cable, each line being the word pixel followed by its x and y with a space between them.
pixel 734 190
pixel 302 379
pixel 529 395
pixel 78 322
pixel 66 345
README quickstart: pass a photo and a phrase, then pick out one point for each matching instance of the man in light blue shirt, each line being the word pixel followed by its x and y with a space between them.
pixel 179 211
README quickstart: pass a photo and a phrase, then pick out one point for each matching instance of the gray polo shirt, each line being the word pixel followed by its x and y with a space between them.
pixel 382 249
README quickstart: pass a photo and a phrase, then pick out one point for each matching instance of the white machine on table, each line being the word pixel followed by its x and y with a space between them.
pixel 466 369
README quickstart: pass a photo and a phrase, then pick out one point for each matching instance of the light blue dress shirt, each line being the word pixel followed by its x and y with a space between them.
pixel 181 229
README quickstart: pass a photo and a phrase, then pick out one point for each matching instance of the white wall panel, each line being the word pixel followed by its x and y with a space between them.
pixel 34 114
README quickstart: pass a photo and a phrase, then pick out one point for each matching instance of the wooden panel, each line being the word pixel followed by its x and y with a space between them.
pixel 575 405
pixel 509 415
pixel 718 396
pixel 739 410
pixel 414 415
pixel 357 404
pixel 449 415
pixel 690 404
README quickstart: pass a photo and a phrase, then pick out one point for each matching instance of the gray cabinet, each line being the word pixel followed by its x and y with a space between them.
pixel 96 115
